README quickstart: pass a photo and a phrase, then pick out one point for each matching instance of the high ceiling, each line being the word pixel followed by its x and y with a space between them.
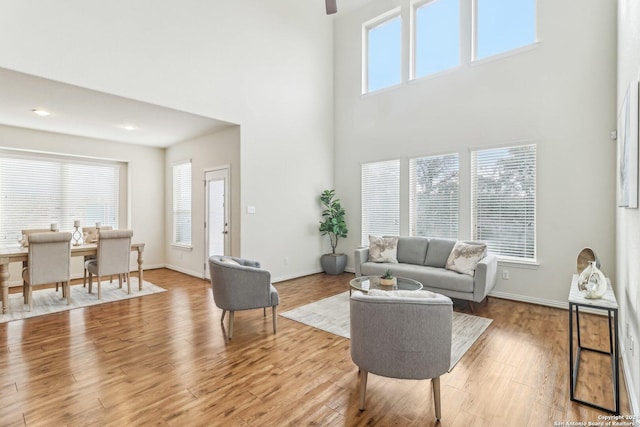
pixel 84 112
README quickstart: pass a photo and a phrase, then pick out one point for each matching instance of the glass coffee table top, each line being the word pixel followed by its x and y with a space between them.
pixel 364 283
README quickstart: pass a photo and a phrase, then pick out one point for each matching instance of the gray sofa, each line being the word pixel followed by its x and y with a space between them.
pixel 424 259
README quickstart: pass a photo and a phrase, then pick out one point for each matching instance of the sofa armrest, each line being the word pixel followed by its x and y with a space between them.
pixel 485 277
pixel 361 255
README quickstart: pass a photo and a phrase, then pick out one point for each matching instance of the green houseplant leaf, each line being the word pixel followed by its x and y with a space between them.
pixel 333 223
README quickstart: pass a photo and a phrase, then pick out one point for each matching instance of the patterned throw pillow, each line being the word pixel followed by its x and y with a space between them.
pixel 229 261
pixel 464 257
pixel 383 249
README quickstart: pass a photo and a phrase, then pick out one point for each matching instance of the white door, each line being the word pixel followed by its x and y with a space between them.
pixel 216 216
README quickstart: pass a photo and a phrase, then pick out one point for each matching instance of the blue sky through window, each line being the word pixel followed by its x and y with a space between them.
pixel 503 25
pixel 384 54
pixel 500 26
pixel 437 36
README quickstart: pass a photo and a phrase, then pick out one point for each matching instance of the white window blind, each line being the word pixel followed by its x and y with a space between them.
pixel 434 196
pixel 182 203
pixel 380 199
pixel 503 191
pixel 38 190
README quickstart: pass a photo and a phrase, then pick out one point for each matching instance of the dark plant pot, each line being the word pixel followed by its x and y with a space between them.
pixel 333 264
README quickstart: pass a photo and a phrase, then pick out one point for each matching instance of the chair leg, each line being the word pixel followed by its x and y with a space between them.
pixel 264 311
pixel 30 298
pixel 435 384
pixel 230 324
pixel 273 314
pixel 363 387
pixel 67 285
pixel 126 277
pixel 223 313
pixel 90 282
pixel 99 287
pixel 84 279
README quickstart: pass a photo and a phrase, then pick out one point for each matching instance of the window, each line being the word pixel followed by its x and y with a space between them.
pixel 380 199
pixel 37 190
pixel 182 203
pixel 502 25
pixel 383 44
pixel 437 36
pixel 503 191
pixel 434 196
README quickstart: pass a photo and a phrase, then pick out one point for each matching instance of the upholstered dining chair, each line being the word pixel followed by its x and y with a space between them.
pixel 49 261
pixel 241 284
pixel 401 334
pixel 112 258
pixel 90 235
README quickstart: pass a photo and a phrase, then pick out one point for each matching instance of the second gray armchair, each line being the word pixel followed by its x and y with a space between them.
pixel 401 334
pixel 240 284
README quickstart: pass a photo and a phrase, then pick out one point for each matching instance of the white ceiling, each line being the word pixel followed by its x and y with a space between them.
pixel 84 112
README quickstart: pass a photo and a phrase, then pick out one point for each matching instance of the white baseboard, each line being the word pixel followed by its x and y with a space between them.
pixel 198 274
pixel 294 276
pixel 628 382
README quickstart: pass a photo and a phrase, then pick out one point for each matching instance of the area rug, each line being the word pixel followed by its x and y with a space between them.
pixel 332 315
pixel 47 301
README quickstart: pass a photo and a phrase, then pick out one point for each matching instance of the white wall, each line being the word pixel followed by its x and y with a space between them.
pixel 146 184
pixel 559 95
pixel 628 220
pixel 265 65
pixel 211 151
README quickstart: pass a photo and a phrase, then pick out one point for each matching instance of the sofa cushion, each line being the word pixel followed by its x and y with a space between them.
pixel 383 249
pixel 430 277
pixel 412 250
pixel 465 256
pixel 438 252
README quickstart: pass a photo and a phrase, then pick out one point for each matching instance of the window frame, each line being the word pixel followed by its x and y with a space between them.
pixel 413 41
pixel 414 214
pixel 66 205
pixel 175 211
pixel 515 50
pixel 473 208
pixel 365 231
pixel 373 23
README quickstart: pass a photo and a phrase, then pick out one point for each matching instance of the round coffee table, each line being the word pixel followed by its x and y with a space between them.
pixel 365 283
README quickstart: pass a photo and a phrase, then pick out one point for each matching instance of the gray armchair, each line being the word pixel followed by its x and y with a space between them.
pixel 401 334
pixel 240 284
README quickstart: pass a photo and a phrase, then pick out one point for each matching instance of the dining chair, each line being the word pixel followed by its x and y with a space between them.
pixel 26 233
pixel 112 258
pixel 49 261
pixel 90 235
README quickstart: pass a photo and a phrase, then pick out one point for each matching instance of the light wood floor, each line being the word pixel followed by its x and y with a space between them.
pixel 162 360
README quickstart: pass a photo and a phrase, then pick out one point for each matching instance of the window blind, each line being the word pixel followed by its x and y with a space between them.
pixel 503 204
pixel 434 196
pixel 37 191
pixel 182 203
pixel 380 199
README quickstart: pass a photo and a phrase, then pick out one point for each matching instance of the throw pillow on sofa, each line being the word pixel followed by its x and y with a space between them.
pixel 464 257
pixel 383 249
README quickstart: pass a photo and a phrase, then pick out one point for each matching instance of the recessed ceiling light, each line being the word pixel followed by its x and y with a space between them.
pixel 129 127
pixel 41 113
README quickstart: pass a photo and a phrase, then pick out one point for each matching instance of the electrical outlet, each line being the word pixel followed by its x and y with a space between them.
pixel 505 274
pixel 631 346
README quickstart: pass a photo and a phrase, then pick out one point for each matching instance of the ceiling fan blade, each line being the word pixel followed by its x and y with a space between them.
pixel 331 5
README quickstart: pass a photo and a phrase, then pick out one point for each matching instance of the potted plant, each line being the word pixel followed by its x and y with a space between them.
pixel 387 279
pixel 335 227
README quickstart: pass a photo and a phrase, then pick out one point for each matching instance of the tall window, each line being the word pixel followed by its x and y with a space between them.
pixel 434 196
pixel 503 191
pixel 380 199
pixel 383 44
pixel 502 25
pixel 182 203
pixel 39 190
pixel 437 36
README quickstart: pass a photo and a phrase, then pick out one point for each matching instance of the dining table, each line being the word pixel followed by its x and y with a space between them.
pixel 21 254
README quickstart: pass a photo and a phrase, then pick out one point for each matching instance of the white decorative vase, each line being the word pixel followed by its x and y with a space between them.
pixel 592 282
